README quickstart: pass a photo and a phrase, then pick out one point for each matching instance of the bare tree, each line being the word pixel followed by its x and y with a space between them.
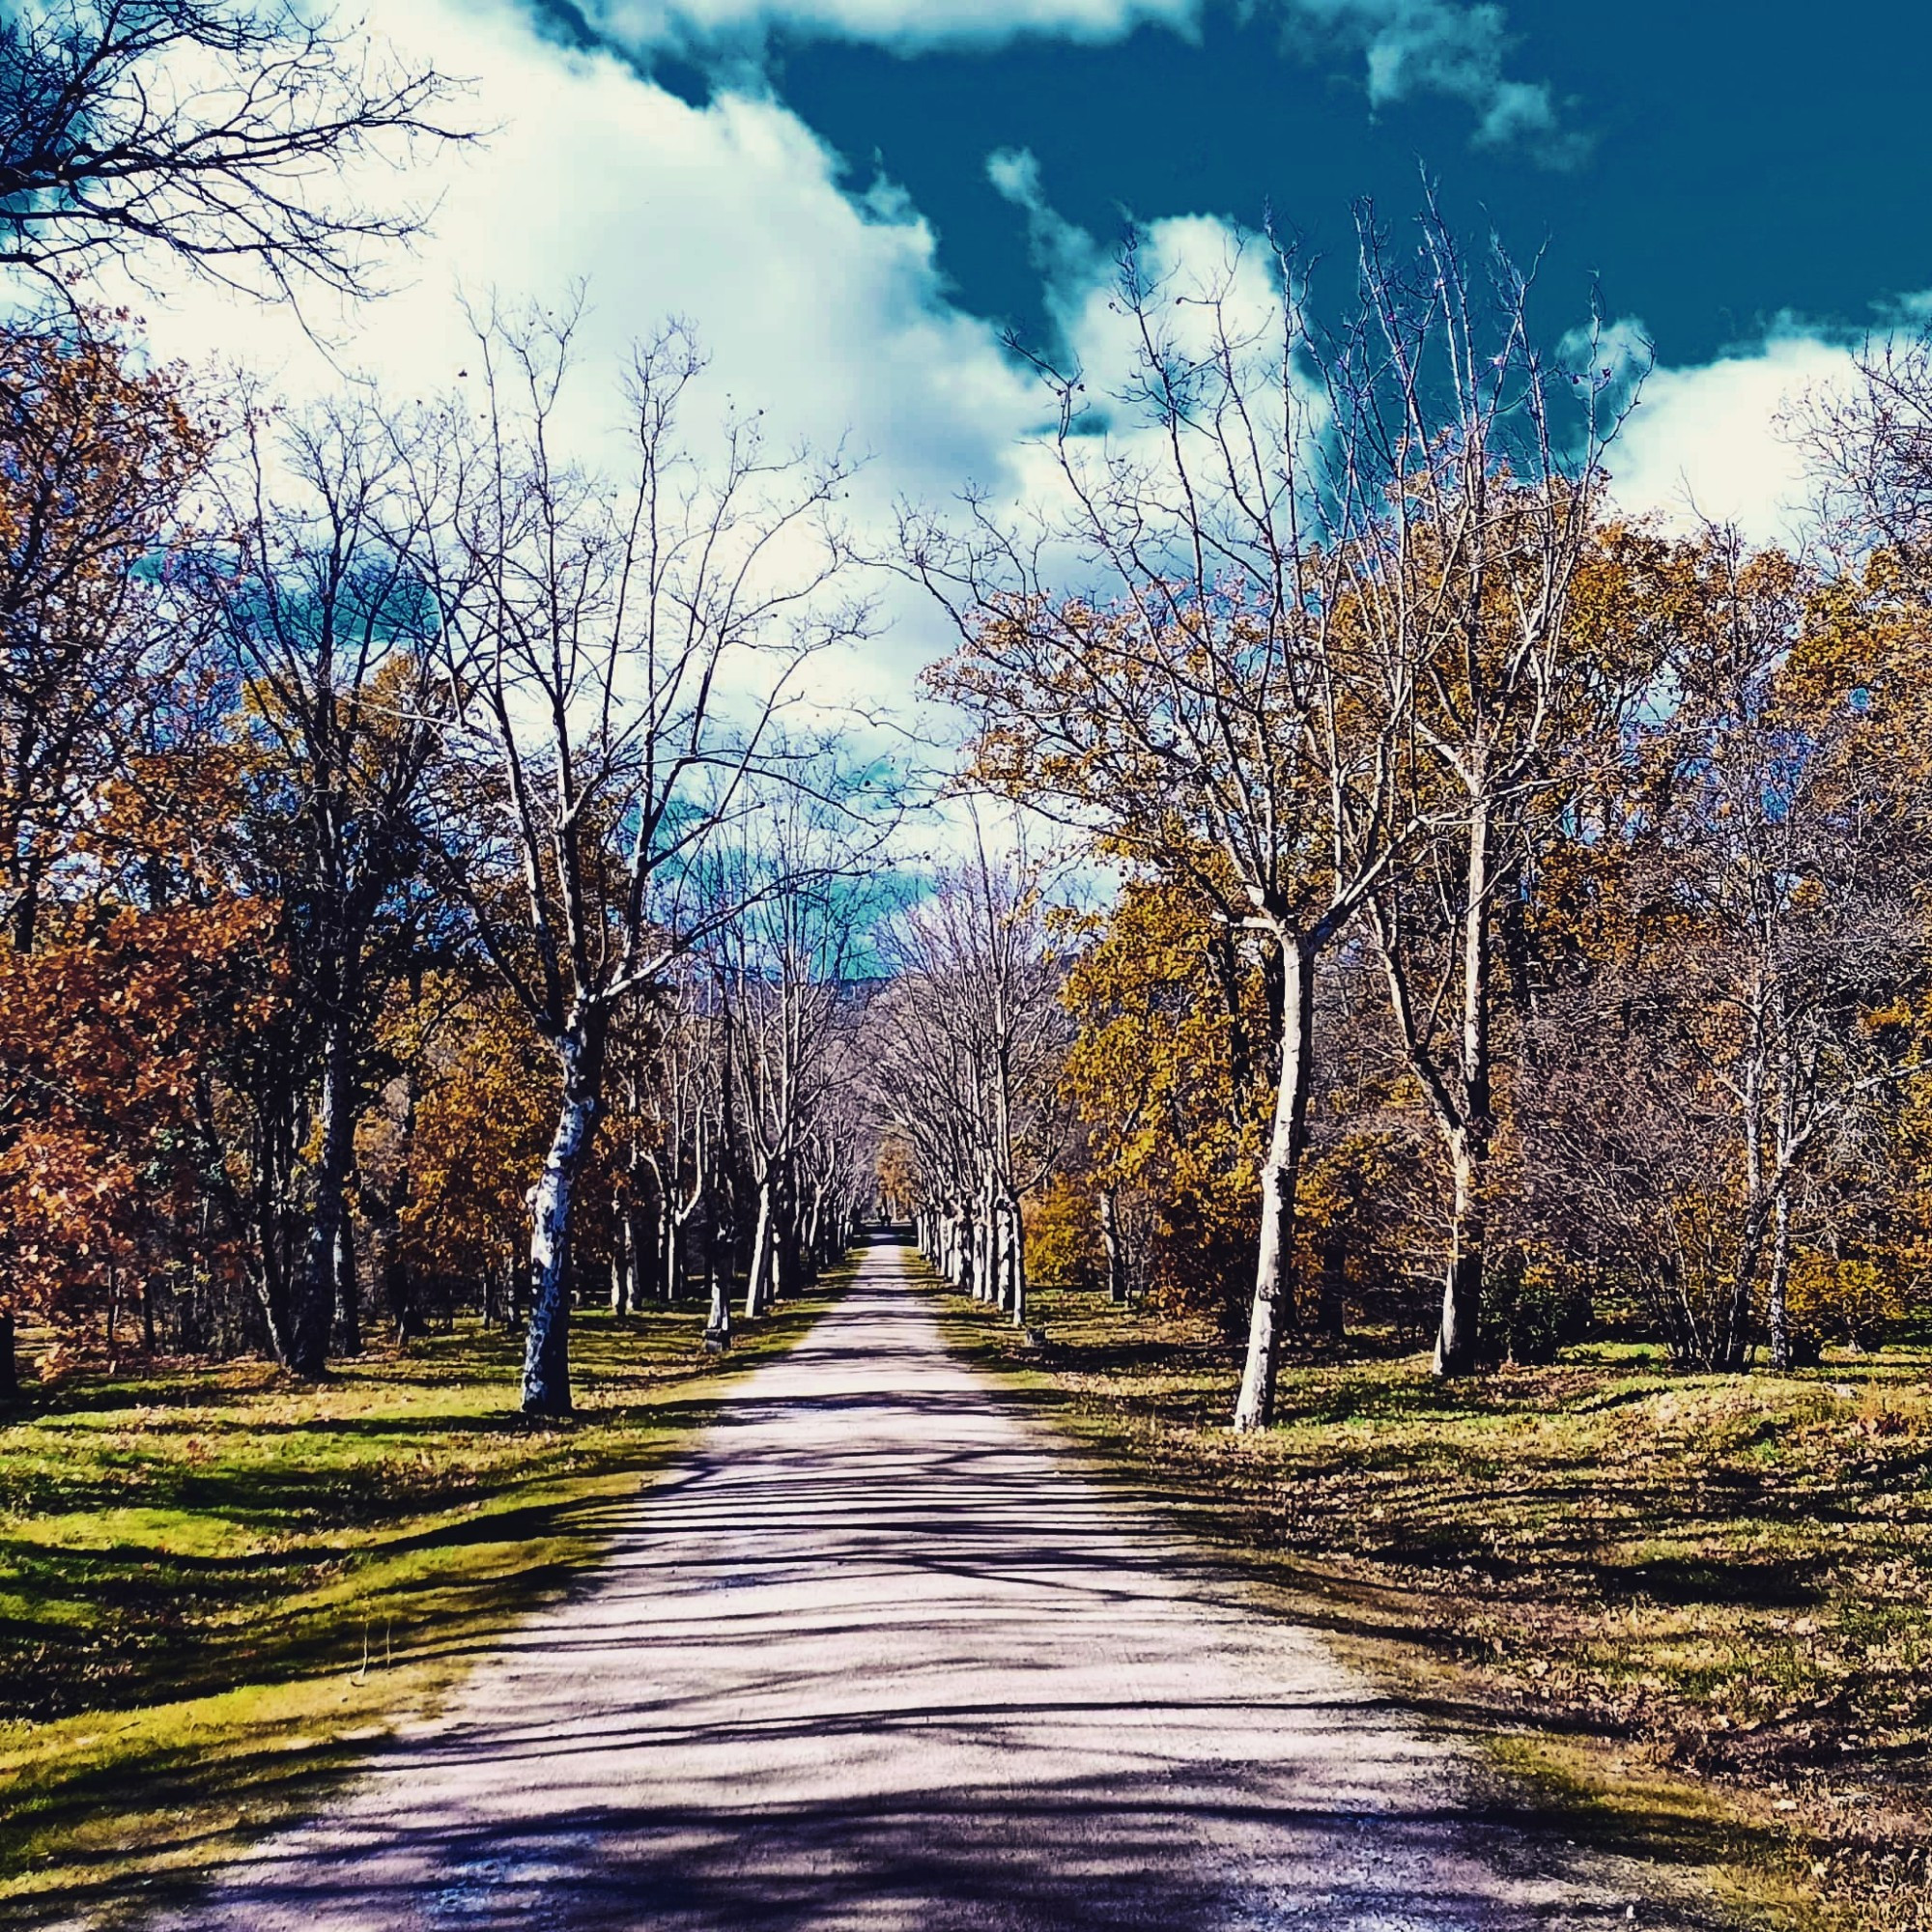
pixel 685 1100
pixel 1161 663
pixel 1870 447
pixel 620 657
pixel 799 873
pixel 211 132
pixel 967 1062
pixel 1461 508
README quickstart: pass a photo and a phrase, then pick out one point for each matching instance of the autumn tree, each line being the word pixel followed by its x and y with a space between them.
pixel 95 457
pixel 332 633
pixel 457 1149
pixel 1168 1073
pixel 146 972
pixel 1729 942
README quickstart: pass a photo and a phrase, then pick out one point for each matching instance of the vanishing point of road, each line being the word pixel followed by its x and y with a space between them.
pixel 874 1655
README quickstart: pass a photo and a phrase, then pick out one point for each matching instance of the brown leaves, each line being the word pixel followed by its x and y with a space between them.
pixel 106 1038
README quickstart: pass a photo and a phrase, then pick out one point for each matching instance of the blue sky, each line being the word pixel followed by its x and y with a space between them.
pixel 852 200
pixel 1716 166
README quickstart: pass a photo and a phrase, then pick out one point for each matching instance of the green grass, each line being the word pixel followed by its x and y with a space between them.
pixel 1707 1598
pixel 216 1586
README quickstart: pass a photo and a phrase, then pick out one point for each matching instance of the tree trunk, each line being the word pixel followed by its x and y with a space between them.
pixel 718 1246
pixel 1013 1242
pixel 986 1284
pixel 1731 1346
pixel 392 1275
pixel 269 1260
pixel 1110 1247
pixel 348 1294
pixel 757 1278
pixel 1459 1337
pixel 620 1270
pixel 818 1230
pixel 672 1261
pixel 396 1297
pixel 546 1345
pixel 1777 1285
pixel 790 1240
pixel 10 1367
pixel 1273 1308
pixel 313 1313
pixel 27 905
pixel 639 1235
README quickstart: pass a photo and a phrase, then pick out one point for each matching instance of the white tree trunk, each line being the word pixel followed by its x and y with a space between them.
pixel 759 1282
pixel 1459 1337
pixel 1110 1246
pixel 1273 1307
pixel 546 1346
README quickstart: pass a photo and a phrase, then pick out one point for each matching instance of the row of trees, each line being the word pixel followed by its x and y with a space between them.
pixel 967 1034
pixel 1512 895
pixel 413 874
pixel 377 782
pixel 413 885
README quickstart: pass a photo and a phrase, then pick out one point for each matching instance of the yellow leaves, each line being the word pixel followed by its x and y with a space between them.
pixel 96 456
pixel 1829 1295
pixel 1063 1239
pixel 487 1096
pixel 1172 1018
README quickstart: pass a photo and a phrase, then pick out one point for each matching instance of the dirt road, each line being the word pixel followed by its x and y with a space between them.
pixel 875 1655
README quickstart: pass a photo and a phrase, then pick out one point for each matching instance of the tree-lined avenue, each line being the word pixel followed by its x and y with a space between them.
pixel 873 1654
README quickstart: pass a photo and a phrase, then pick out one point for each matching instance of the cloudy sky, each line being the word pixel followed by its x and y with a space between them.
pixel 856 201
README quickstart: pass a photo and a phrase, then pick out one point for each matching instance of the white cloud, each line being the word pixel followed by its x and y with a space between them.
pixel 820 307
pixel 1707 443
pixel 824 306
pixel 1064 253
pixel 897 23
pixel 1457 49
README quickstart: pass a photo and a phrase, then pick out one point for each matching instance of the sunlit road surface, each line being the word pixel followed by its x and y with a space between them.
pixel 875 1655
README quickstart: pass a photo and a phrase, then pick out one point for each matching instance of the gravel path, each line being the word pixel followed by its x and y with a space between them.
pixel 874 1656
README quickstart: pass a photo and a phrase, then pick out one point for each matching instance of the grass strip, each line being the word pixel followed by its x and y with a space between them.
pixel 1692 1614
pixel 216 1586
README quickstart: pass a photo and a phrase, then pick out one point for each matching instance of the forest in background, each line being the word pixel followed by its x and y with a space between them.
pixel 422 895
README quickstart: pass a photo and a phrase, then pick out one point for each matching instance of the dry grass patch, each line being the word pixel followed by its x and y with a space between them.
pixel 1701 1583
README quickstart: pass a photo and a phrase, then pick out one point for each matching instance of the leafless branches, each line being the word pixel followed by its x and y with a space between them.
pixel 213 132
